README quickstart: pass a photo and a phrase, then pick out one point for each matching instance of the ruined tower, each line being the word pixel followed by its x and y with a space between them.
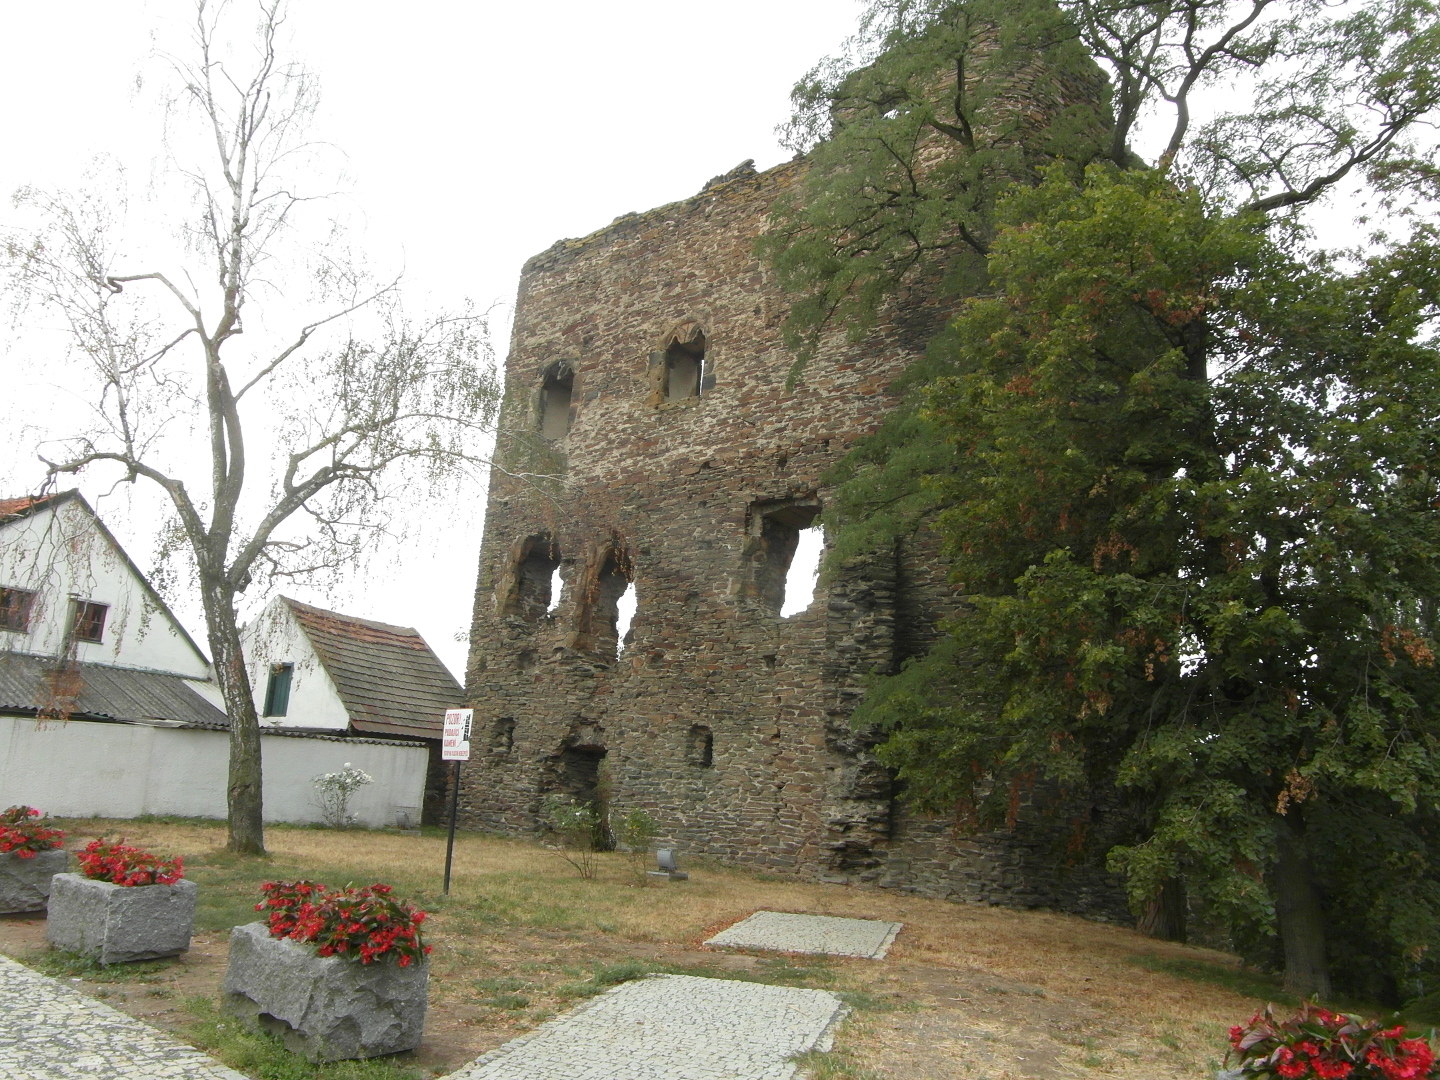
pixel 649 438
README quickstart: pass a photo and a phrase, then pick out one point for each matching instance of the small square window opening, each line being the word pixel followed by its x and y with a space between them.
pixel 90 621
pixel 15 606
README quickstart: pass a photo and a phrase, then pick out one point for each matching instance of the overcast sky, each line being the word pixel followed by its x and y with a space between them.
pixel 474 135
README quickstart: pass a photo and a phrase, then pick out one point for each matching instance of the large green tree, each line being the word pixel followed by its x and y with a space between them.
pixel 1181 463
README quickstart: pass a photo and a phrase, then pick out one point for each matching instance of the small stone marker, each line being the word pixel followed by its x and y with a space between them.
pixel 668 868
pixel 786 932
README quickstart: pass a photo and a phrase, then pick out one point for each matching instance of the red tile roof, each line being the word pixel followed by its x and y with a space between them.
pixel 386 675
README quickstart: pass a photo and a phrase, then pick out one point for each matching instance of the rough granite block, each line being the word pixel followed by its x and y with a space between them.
pixel 327 1008
pixel 25 883
pixel 114 923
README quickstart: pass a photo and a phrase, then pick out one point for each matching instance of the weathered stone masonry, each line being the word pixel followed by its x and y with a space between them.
pixel 647 374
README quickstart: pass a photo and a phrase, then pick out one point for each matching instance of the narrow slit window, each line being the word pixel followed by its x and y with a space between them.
pixel 555 396
pixel 625 614
pixel 685 368
pixel 557 587
pixel 701 747
pixel 277 690
pixel 90 621
pixel 15 606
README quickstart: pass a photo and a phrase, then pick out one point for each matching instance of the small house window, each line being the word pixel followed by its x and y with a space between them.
pixel 555 394
pixel 15 605
pixel 90 620
pixel 685 368
pixel 277 692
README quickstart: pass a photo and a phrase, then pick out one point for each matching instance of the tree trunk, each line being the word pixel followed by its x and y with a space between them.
pixel 1164 915
pixel 244 809
pixel 1297 905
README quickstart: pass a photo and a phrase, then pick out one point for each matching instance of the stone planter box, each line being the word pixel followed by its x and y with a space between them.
pixel 25 883
pixel 115 923
pixel 327 1008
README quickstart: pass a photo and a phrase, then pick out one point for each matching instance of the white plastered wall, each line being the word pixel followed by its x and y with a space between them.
pixel 59 554
pixel 274 637
pixel 82 769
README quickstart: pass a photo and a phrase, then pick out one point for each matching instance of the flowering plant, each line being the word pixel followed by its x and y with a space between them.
pixel 1323 1045
pixel 123 865
pixel 22 831
pixel 365 924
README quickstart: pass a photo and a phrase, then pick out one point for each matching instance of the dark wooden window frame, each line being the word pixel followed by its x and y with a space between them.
pixel 89 621
pixel 15 608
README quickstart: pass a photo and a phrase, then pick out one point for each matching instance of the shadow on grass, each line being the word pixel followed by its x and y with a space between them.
pixel 1242 981
pixel 264 1057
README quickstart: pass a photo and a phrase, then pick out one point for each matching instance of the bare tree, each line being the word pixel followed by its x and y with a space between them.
pixel 355 405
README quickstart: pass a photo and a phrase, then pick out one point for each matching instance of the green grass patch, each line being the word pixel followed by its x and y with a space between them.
pixel 264 1057
pixel 831 1065
pixel 59 964
pixel 1243 981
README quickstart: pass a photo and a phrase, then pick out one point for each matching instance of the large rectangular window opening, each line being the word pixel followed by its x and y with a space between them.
pixel 15 608
pixel 277 690
pixel 538 582
pixel 775 531
pixel 685 368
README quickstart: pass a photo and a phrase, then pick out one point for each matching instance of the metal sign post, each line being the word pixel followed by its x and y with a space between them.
pixel 455 746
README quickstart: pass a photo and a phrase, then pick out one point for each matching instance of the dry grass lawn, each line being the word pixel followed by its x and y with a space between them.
pixel 967 991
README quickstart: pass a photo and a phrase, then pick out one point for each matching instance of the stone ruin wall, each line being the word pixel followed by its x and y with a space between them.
pixel 726 722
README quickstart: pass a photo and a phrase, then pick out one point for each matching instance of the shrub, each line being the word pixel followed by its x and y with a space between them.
pixel 367 925
pixel 578 827
pixel 23 831
pixel 123 865
pixel 635 829
pixel 1317 1044
pixel 333 791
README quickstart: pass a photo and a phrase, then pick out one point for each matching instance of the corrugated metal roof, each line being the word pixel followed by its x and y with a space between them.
pixel 36 683
pixel 387 676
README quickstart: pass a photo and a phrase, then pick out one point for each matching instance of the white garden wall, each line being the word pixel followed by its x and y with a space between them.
pixel 83 769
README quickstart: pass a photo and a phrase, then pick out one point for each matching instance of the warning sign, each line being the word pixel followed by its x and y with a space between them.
pixel 455 741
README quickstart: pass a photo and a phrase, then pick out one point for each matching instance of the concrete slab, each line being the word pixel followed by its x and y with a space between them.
pixel 825 934
pixel 671 1027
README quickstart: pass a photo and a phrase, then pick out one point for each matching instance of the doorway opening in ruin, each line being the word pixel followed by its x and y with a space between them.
pixel 556 391
pixel 684 368
pixel 804 571
pixel 775 529
pixel 537 579
pixel 581 775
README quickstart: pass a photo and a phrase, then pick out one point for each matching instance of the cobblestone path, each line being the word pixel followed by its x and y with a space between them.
pixel 50 1032
pixel 671 1027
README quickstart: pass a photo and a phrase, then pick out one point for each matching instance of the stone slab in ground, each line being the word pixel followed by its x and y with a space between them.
pixel 51 1032
pixel 786 932
pixel 671 1027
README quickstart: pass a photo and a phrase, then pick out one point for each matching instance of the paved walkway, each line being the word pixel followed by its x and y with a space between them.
pixel 784 932
pixel 671 1027
pixel 50 1032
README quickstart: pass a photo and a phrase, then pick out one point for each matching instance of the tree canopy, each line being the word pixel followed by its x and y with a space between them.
pixel 1180 459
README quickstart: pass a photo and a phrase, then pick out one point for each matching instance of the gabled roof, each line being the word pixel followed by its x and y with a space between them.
pixel 15 509
pixel 387 677
pixel 32 684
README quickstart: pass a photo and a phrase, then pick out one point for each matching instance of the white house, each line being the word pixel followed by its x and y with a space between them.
pixel 82 633
pixel 108 707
